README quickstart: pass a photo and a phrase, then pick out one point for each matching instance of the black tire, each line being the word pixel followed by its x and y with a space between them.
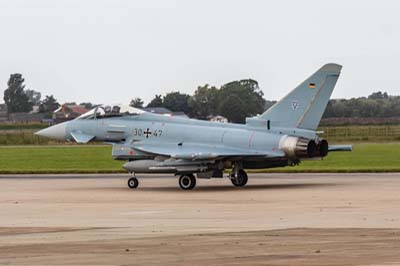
pixel 241 180
pixel 187 182
pixel 133 182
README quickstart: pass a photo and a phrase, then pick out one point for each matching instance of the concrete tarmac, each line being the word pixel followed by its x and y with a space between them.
pixel 277 219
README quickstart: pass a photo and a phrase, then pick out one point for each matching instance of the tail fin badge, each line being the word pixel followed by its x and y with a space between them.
pixel 311 85
pixel 295 105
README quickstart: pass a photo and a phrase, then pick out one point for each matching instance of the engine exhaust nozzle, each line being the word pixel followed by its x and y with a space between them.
pixel 298 147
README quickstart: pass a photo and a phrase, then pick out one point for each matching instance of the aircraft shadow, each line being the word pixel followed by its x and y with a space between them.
pixel 212 188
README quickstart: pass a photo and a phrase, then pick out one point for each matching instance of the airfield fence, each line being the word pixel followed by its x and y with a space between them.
pixel 332 134
pixel 361 133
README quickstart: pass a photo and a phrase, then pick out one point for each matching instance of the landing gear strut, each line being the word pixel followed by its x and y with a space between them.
pixel 133 182
pixel 187 182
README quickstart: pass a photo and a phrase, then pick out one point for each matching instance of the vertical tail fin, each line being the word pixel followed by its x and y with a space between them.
pixel 304 106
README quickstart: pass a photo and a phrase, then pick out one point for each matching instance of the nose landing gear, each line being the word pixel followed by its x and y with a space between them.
pixel 133 182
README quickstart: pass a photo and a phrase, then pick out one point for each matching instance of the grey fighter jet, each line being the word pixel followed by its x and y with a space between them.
pixel 190 148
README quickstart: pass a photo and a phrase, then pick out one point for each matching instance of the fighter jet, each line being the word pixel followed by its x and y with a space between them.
pixel 150 143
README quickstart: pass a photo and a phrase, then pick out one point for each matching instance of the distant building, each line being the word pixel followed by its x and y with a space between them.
pixel 3 113
pixel 68 112
pixel 35 109
pixel 164 111
pixel 218 118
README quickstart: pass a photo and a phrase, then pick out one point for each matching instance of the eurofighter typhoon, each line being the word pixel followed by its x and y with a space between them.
pixel 189 148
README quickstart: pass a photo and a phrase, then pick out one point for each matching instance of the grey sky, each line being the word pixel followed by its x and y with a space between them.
pixel 112 51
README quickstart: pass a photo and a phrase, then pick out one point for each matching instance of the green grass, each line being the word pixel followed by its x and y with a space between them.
pixel 24 137
pixel 366 157
pixel 58 159
pixel 369 157
pixel 21 126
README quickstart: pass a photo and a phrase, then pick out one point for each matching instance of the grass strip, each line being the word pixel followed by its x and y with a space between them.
pixel 365 158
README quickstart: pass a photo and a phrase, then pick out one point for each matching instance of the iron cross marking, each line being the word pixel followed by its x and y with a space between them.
pixel 147 133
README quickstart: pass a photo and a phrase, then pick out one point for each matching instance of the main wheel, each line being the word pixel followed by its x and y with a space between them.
pixel 240 180
pixel 187 182
pixel 133 182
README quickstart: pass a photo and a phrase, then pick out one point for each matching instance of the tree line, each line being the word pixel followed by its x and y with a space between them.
pixel 235 100
pixel 19 100
pixel 378 104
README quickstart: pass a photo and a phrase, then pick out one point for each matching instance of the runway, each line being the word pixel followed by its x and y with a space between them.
pixel 277 219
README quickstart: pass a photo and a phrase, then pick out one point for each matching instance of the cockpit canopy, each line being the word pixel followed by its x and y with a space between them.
pixel 106 111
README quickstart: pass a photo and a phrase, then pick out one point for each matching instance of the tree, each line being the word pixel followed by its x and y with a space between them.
pixel 156 102
pixel 378 95
pixel 49 104
pixel 233 108
pixel 250 95
pixel 204 102
pixel 15 97
pixel 136 102
pixel 34 96
pixel 177 102
pixel 268 104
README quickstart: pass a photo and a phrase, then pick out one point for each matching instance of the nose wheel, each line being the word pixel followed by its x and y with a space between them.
pixel 133 182
pixel 187 182
pixel 240 180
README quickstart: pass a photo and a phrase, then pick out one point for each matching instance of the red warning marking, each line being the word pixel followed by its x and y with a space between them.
pixel 131 152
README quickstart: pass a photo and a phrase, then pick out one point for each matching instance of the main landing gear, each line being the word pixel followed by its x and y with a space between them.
pixel 238 176
pixel 187 182
pixel 240 179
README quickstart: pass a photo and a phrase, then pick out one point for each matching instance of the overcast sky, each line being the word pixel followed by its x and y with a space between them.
pixel 112 51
